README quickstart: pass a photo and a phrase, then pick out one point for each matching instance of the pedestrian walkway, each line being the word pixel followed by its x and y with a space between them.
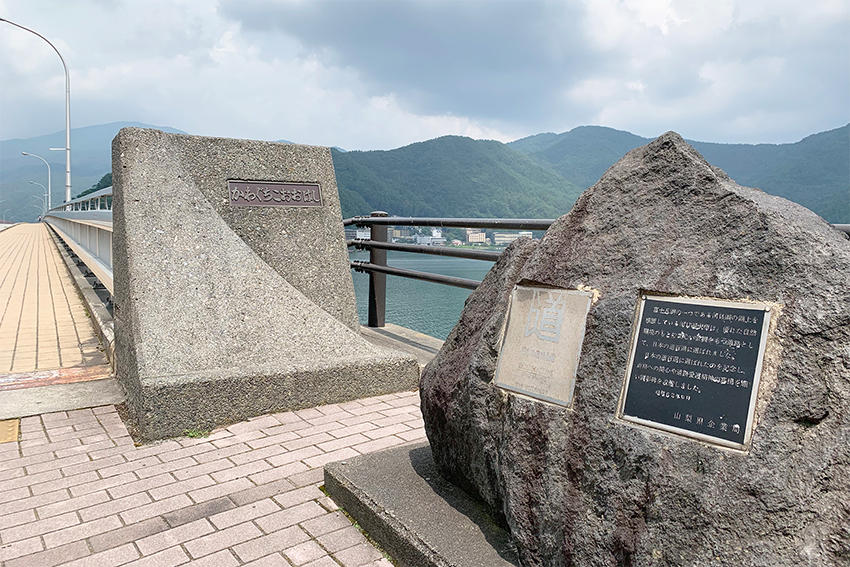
pixel 76 491
pixel 46 336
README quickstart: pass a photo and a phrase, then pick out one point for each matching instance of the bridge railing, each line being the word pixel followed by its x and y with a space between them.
pixel 379 243
pixel 85 225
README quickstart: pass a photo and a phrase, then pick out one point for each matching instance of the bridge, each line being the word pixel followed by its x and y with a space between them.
pixel 77 489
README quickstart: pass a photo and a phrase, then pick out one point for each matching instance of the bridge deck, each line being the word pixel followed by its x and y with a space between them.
pixel 46 336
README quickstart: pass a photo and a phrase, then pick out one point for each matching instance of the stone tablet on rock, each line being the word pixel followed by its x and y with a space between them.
pixel 233 293
pixel 625 474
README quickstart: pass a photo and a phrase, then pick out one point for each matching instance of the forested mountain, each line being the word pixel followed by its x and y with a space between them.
pixel 814 172
pixel 539 176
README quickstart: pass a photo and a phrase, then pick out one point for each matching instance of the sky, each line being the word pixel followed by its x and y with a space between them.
pixel 379 74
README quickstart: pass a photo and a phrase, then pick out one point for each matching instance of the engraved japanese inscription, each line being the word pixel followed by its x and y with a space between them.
pixel 694 367
pixel 273 194
pixel 542 342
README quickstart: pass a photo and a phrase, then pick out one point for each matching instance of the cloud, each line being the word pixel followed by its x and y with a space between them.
pixel 379 74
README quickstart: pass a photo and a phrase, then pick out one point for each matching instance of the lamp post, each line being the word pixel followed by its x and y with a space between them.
pixel 67 147
pixel 48 174
pixel 42 198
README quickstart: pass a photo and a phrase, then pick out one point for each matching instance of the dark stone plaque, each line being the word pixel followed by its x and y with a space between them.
pixel 694 367
pixel 273 194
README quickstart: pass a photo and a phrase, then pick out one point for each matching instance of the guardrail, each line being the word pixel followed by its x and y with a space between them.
pixel 85 225
pixel 379 243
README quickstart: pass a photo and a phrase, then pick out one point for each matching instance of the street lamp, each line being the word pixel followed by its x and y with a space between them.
pixel 67 147
pixel 43 198
pixel 48 174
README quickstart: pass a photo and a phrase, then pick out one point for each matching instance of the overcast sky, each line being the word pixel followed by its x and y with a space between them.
pixel 367 74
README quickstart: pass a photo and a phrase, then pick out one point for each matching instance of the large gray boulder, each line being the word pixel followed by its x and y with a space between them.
pixel 577 486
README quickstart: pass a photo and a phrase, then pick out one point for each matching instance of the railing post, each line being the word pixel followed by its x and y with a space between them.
pixel 377 281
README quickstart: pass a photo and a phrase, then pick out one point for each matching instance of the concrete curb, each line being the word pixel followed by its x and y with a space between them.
pixel 101 318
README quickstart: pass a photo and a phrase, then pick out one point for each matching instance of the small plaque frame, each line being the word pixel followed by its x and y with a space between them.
pixel 694 368
pixel 273 194
pixel 541 342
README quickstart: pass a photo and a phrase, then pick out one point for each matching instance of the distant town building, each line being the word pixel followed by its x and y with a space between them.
pixel 505 238
pixel 359 233
pixel 475 236
pixel 401 232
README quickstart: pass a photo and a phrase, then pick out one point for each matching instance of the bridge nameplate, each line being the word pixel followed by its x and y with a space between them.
pixel 694 367
pixel 542 342
pixel 273 194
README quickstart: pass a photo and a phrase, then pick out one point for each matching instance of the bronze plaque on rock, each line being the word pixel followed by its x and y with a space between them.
pixel 694 368
pixel 542 341
pixel 273 194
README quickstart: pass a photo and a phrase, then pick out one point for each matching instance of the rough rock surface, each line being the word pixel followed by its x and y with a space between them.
pixel 578 487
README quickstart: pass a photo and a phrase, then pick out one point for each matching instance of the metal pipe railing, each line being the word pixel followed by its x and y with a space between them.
pixel 379 243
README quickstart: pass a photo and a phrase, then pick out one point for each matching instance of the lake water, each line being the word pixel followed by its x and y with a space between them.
pixel 426 307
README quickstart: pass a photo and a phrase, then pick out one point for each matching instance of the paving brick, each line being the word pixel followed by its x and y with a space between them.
pixel 66 482
pixel 30 480
pixel 34 501
pixel 57 464
pixel 341 539
pixel 378 444
pixel 273 560
pixel 108 558
pixel 232 536
pixel 323 562
pixel 275 439
pixel 413 434
pixel 202 510
pixel 22 547
pixel 342 442
pixel 14 494
pixel 312 476
pixel 392 420
pixel 115 506
pixel 205 468
pixel 358 555
pixel 190 451
pixel 51 557
pixel 304 552
pixel 385 431
pixel 91 465
pixel 127 534
pixel 307 413
pixel 182 487
pixel 29 448
pixel 129 467
pixel 12 473
pixel 151 450
pixel 372 408
pixel 72 504
pixel 241 438
pixel 305 441
pixel 240 471
pixel 244 513
pixel 326 524
pixel 298 496
pixel 142 485
pixel 23 517
pixel 292 456
pixel 81 531
pixel 170 466
pixel 290 516
pixel 174 536
pixel 223 558
pixel 321 428
pixel 39 527
pixel 253 424
pixel 362 418
pixel 278 472
pixel 14 460
pixel 263 491
pixel 322 460
pixel 328 504
pixel 102 484
pixel 218 490
pixel 170 557
pixel 271 543
pixel 217 454
pixel 158 508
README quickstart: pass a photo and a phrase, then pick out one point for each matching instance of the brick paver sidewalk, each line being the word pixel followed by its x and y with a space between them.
pixel 76 491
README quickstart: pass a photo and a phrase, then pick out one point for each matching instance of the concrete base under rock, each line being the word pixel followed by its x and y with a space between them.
pixel 420 519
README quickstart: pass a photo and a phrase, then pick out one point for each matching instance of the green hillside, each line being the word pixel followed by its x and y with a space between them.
pixel 814 172
pixel 451 176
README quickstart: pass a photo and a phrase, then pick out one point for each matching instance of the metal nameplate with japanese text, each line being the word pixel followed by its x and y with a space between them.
pixel 273 194
pixel 694 368
pixel 542 341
